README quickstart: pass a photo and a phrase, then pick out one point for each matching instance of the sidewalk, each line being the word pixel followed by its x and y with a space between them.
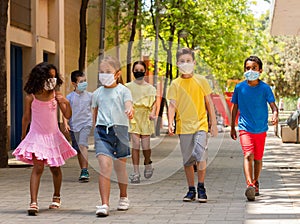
pixel 159 200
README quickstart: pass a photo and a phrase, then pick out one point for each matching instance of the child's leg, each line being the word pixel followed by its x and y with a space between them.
pixel 145 139
pixel 257 168
pixel 105 166
pixel 36 173
pixel 189 174
pixel 120 168
pixel 83 157
pixel 57 179
pixel 135 141
pixel 248 167
pixel 201 171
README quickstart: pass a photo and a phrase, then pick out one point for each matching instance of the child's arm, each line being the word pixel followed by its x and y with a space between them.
pixel 66 124
pixel 212 115
pixel 152 115
pixel 171 114
pixel 129 109
pixel 26 115
pixel 95 112
pixel 233 118
pixel 64 105
pixel 275 113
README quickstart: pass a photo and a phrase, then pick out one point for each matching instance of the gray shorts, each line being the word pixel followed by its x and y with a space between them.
pixel 80 138
pixel 193 147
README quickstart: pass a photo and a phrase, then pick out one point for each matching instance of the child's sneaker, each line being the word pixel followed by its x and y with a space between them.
pixel 123 204
pixel 250 192
pixel 202 197
pixel 190 196
pixel 84 176
pixel 256 184
pixel 135 178
pixel 102 210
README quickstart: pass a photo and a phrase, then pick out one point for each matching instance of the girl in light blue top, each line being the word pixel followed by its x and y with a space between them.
pixel 112 103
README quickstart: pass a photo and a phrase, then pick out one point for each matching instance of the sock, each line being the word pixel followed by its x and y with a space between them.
pixel 192 188
pixel 200 185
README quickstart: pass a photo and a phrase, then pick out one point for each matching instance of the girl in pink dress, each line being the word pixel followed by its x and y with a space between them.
pixel 44 144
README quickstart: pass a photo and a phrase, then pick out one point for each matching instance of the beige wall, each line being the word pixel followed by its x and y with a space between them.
pixel 71 46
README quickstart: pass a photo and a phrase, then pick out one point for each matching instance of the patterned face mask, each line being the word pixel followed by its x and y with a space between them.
pixel 251 75
pixel 186 68
pixel 50 84
pixel 106 79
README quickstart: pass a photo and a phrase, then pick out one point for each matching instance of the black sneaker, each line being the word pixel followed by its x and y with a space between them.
pixel 190 196
pixel 84 176
pixel 202 197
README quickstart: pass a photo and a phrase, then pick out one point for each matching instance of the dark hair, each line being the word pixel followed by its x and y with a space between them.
pixel 75 74
pixel 139 63
pixel 255 59
pixel 185 50
pixel 38 76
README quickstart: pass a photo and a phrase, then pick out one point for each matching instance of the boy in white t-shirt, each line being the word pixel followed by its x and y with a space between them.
pixel 80 124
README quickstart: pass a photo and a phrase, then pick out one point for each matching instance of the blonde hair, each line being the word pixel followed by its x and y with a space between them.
pixel 115 63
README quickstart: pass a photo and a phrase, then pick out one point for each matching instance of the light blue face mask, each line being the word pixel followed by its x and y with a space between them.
pixel 82 86
pixel 251 75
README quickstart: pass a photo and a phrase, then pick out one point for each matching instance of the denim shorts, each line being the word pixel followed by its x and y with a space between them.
pixel 193 147
pixel 112 141
pixel 80 137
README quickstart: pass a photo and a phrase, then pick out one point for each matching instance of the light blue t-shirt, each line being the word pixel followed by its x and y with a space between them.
pixel 252 103
pixel 81 110
pixel 111 105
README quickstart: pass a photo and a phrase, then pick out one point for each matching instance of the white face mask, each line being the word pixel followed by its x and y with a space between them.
pixel 186 68
pixel 107 79
pixel 50 84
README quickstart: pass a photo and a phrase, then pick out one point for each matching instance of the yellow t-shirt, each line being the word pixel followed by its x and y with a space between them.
pixel 143 98
pixel 191 115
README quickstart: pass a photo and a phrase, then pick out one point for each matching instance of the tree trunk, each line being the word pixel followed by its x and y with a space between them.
pixel 3 83
pixel 83 34
pixel 131 40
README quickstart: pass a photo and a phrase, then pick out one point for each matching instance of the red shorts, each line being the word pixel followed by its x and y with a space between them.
pixel 253 143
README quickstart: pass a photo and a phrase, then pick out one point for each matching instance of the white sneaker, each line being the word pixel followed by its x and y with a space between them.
pixel 123 204
pixel 102 210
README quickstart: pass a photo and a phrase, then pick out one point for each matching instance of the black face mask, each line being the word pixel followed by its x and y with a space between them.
pixel 139 75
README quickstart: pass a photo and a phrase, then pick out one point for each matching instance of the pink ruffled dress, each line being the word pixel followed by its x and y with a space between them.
pixel 44 138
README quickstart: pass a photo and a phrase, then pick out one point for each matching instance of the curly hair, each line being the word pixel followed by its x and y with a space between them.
pixel 38 76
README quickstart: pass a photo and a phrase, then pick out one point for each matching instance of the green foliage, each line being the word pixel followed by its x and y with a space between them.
pixel 282 69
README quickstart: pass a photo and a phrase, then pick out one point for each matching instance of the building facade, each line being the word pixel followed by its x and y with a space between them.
pixel 37 31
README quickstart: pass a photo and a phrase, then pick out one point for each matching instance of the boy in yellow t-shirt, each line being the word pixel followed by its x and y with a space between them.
pixel 189 97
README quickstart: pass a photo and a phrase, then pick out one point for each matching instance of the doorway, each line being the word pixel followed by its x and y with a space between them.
pixel 16 91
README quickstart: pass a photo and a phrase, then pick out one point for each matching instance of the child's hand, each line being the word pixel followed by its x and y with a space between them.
pixel 233 133
pixel 152 117
pixel 61 99
pixel 171 129
pixel 129 113
pixel 66 128
pixel 275 119
pixel 214 130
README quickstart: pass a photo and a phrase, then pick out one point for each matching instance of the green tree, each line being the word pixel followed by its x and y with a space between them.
pixel 282 66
